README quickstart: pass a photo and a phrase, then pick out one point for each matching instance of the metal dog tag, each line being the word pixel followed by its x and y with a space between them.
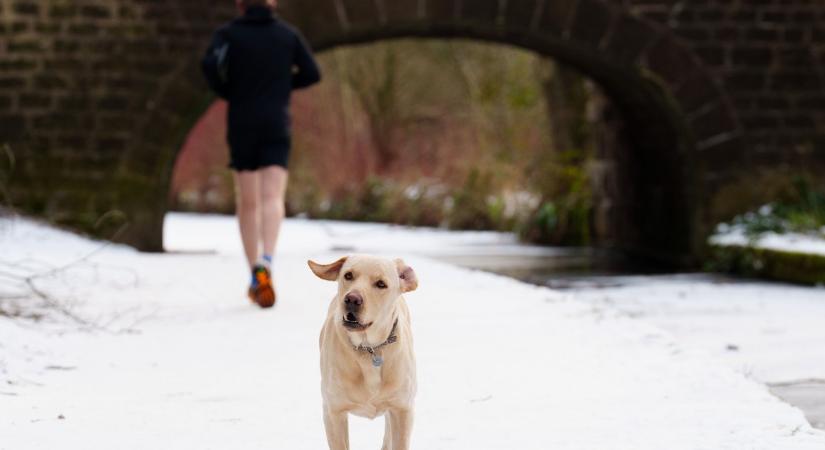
pixel 377 361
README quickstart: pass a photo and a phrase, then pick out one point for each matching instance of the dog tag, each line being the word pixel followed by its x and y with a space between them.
pixel 377 361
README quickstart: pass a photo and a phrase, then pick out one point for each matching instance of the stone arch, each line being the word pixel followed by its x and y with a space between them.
pixel 97 95
pixel 670 103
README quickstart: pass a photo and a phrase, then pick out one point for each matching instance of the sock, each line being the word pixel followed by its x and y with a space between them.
pixel 268 260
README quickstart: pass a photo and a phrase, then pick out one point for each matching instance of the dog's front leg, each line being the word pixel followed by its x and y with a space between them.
pixel 337 426
pixel 401 421
pixel 387 433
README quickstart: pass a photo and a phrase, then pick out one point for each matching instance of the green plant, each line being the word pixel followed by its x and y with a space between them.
pixel 470 208
pixel 801 210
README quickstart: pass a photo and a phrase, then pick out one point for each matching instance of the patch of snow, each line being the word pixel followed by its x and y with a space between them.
pixel 789 242
pixel 180 360
pixel 770 331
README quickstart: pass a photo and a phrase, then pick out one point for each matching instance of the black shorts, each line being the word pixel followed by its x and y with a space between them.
pixel 248 153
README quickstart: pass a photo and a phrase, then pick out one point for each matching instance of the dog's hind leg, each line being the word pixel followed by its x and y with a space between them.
pixel 337 426
pixel 387 432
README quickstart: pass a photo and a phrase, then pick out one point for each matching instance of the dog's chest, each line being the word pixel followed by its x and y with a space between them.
pixel 367 397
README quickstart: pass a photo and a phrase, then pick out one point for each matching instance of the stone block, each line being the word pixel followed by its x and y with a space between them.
pixel 84 29
pixel 520 14
pixel 695 33
pixel 696 92
pixel 95 12
pixel 25 46
pixel 591 22
pixel 113 103
pixel 795 80
pixel 798 121
pixel 73 102
pixel 443 11
pixel 48 27
pixel 752 56
pixel 110 144
pixel 318 21
pixel 34 101
pixel 12 127
pixel 63 10
pixel 670 61
pixel 12 82
pixel 557 16
pixel 712 123
pixel 745 80
pixel 629 38
pixel 66 46
pixel 362 13
pixel 26 8
pixel 760 121
pixel 483 12
pixel 47 82
pixel 17 64
pixel 64 64
pixel 73 141
pixel 712 54
pixel 403 10
pixel 719 156
pixel 796 57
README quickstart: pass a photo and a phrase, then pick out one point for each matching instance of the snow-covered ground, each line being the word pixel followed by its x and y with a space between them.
pixel 163 351
pixel 772 332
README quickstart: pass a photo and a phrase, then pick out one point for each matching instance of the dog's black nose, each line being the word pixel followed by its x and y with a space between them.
pixel 353 301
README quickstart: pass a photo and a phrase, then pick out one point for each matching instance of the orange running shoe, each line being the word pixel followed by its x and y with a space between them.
pixel 262 290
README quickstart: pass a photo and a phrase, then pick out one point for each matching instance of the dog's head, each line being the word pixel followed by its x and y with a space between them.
pixel 368 287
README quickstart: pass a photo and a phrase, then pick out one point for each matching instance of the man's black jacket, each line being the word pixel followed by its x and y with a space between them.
pixel 255 62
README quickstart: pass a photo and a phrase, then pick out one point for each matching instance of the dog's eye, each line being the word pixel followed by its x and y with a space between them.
pixel 381 285
pixel 348 276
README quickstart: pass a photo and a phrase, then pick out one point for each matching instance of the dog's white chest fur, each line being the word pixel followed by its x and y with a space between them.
pixel 372 407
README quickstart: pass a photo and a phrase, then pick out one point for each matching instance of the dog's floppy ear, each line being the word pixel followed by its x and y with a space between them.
pixel 329 271
pixel 409 282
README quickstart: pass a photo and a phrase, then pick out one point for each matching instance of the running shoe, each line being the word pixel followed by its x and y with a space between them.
pixel 262 290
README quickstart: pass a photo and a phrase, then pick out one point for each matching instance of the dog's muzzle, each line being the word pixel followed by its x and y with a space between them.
pixel 352 306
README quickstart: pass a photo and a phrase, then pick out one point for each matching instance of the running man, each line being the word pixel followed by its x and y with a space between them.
pixel 255 62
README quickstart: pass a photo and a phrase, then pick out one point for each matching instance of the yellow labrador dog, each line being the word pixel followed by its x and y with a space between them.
pixel 367 359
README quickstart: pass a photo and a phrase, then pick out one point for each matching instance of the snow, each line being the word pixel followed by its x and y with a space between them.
pixel 172 356
pixel 789 242
pixel 770 331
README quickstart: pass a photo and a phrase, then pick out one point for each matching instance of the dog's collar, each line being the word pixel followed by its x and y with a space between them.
pixel 377 360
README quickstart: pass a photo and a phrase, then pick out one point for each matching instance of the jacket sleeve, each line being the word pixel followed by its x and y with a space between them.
pixel 306 71
pixel 215 65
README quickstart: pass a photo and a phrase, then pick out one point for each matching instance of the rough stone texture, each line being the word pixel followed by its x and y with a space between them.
pixel 96 97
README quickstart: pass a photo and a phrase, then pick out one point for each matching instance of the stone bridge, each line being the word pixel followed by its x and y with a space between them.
pixel 720 100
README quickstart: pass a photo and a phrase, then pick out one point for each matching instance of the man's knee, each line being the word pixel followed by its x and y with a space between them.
pixel 274 204
pixel 272 197
pixel 246 202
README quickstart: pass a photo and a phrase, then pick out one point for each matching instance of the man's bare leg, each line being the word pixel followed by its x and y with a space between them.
pixel 247 191
pixel 273 193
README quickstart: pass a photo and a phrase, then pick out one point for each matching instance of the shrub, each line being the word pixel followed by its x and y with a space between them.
pixel 801 210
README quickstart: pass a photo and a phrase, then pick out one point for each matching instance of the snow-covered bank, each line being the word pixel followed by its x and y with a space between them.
pixel 786 242
pixel 788 257
pixel 182 361
pixel 769 331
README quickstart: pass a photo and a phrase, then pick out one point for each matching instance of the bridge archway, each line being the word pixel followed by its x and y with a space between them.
pixel 104 92
pixel 656 210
